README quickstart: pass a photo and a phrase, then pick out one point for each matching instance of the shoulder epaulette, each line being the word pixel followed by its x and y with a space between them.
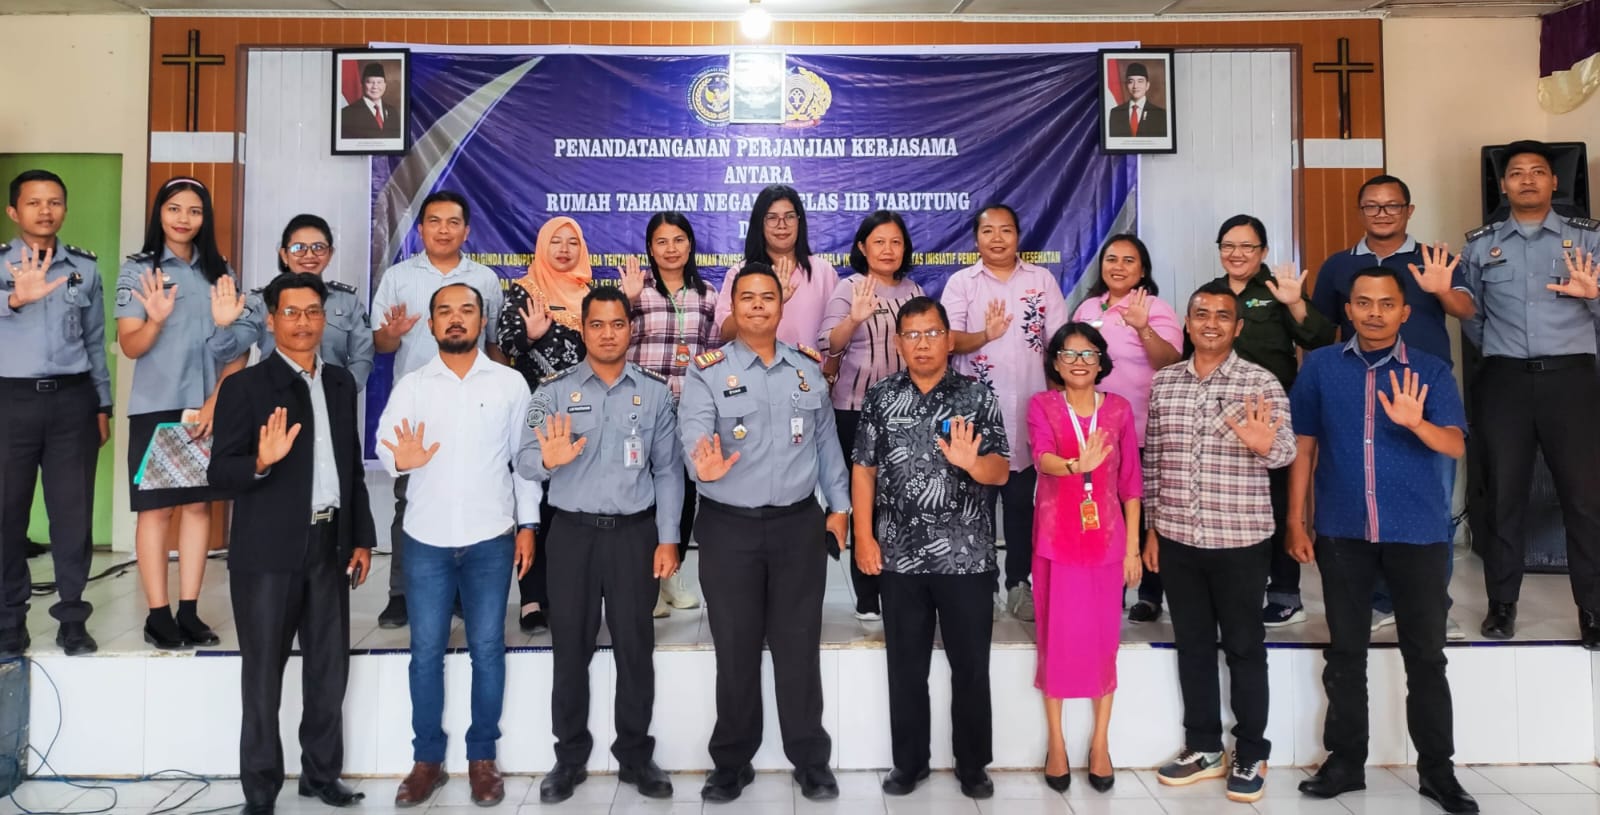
pixel 1586 224
pixel 5 246
pixel 557 375
pixel 80 252
pixel 816 356
pixel 141 257
pixel 709 358
pixel 1481 231
pixel 257 291
pixel 344 287
pixel 656 375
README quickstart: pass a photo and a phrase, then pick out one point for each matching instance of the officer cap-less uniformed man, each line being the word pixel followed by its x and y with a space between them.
pixel 1533 276
pixel 55 392
pixel 307 246
pixel 758 427
pixel 605 435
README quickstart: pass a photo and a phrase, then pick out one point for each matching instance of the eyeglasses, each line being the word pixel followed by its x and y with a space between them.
pixel 1087 355
pixel 773 218
pixel 1370 210
pixel 1230 248
pixel 295 315
pixel 318 249
pixel 915 337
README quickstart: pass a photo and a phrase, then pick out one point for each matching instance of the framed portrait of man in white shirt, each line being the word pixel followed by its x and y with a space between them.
pixel 371 97
pixel 1138 112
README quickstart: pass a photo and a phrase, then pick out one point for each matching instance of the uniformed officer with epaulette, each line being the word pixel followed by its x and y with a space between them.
pixel 307 246
pixel 1533 276
pixel 604 434
pixel 758 428
pixel 55 392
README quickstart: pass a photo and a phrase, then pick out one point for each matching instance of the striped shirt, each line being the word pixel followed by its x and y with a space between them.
pixel 871 353
pixel 1202 486
pixel 662 323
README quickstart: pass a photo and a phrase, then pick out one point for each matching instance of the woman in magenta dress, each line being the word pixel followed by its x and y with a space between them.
pixel 1085 539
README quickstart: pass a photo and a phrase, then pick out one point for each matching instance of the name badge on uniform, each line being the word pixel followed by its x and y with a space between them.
pixel 633 452
pixel 735 391
pixel 797 430
pixel 580 408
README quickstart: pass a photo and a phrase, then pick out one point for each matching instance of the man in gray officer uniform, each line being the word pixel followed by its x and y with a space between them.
pixel 346 336
pixel 604 434
pixel 762 536
pixel 1533 276
pixel 55 393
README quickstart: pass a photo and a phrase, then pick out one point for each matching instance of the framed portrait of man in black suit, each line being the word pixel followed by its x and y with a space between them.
pixel 371 97
pixel 1138 112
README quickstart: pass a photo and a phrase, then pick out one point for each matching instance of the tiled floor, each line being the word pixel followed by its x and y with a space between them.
pixel 1546 612
pixel 1548 790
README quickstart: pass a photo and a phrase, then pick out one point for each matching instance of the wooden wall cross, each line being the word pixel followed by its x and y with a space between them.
pixel 192 61
pixel 1344 68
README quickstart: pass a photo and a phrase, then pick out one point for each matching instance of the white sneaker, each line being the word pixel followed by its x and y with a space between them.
pixel 999 606
pixel 661 609
pixel 677 593
pixel 1381 619
pixel 1020 602
pixel 1452 631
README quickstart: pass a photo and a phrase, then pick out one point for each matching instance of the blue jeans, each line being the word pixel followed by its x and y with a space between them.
pixel 481 573
pixel 1382 601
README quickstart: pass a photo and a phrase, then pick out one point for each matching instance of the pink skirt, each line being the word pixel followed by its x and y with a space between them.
pixel 1078 614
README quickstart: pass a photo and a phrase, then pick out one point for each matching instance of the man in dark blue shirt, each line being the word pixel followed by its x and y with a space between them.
pixel 1379 510
pixel 1435 286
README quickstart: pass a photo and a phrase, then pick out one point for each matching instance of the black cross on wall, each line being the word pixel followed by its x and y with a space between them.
pixel 192 61
pixel 1344 68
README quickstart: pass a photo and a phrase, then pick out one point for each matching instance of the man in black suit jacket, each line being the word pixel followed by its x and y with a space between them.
pixel 286 447
pixel 368 117
pixel 1152 119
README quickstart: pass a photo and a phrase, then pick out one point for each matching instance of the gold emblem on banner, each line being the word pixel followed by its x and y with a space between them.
pixel 807 98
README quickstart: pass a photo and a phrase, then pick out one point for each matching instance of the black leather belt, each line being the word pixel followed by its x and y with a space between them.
pixel 47 384
pixel 760 513
pixel 607 521
pixel 1543 364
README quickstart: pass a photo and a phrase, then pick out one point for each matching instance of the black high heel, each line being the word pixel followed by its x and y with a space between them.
pixel 1061 782
pixel 1101 783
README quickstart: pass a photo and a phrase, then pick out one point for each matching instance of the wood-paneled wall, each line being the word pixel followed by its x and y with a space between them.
pixel 1328 216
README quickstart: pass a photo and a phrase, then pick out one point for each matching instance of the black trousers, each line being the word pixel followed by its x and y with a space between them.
pixel 1283 578
pixel 1516 410
pixel 961 606
pixel 1350 569
pixel 533 587
pixel 591 562
pixel 397 538
pixel 1017 496
pixel 686 521
pixel 57 434
pixel 866 585
pixel 1212 590
pixel 763 579
pixel 270 609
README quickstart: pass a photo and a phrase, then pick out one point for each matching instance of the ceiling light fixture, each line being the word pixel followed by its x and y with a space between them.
pixel 756 23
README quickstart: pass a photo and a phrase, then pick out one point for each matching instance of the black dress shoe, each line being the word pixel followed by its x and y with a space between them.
pixel 648 778
pixel 976 785
pixel 334 793
pixel 266 808
pixel 900 782
pixel 1059 783
pixel 1101 783
pixel 1501 624
pixel 1144 611
pixel 74 639
pixel 394 614
pixel 196 632
pixel 14 642
pixel 817 783
pixel 558 785
pixel 724 784
pixel 534 622
pixel 1589 627
pixel 164 635
pixel 1333 780
pixel 1448 794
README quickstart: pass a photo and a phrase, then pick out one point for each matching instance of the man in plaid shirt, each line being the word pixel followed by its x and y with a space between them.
pixel 1217 425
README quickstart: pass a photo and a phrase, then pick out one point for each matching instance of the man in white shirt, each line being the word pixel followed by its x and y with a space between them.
pixel 398 306
pixel 453 426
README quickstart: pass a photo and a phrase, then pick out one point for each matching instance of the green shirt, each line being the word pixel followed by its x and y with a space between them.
pixel 1270 332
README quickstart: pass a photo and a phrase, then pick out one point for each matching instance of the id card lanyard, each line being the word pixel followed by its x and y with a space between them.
pixel 1088 512
pixel 680 355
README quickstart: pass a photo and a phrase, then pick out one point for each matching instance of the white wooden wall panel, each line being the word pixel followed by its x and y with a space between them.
pixel 1235 154
pixel 289 168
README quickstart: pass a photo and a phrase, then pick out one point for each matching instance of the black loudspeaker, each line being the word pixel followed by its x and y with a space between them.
pixel 1545 533
pixel 1571 166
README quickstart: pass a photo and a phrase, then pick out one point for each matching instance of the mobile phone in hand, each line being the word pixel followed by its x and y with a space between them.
pixel 831 544
pixel 355 576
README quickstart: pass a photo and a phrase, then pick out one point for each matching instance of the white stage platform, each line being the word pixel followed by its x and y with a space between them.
pixel 130 710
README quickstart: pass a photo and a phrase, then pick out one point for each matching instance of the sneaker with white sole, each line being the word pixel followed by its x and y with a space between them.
pixel 1277 614
pixel 1452 631
pixel 677 592
pixel 662 609
pixel 1247 781
pixel 1381 619
pixel 1020 602
pixel 1191 766
pixel 999 606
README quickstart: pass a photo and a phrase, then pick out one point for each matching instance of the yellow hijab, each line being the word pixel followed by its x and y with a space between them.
pixel 563 291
